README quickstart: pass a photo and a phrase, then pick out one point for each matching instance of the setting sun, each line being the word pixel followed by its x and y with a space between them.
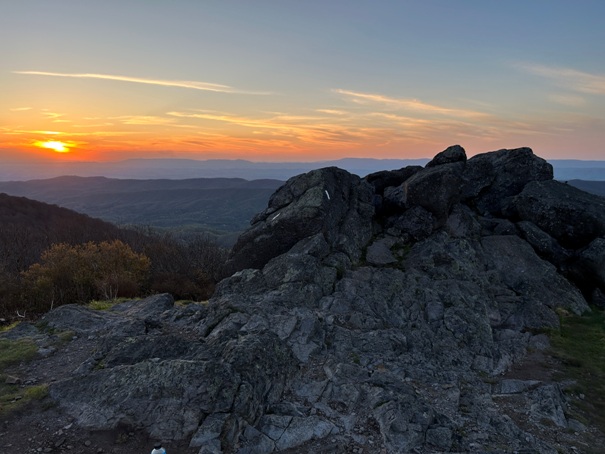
pixel 59 147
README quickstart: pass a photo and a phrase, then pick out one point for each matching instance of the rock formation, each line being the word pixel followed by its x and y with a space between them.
pixel 362 315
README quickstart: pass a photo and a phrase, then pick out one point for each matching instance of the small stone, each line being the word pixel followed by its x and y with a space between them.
pixel 87 443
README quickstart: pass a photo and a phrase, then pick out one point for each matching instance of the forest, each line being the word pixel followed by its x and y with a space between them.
pixel 51 256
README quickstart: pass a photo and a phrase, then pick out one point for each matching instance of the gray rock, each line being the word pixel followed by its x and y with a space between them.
pixel 86 321
pixel 534 280
pixel 547 402
pixel 454 153
pixel 512 386
pixel 255 442
pixel 590 264
pixel 544 244
pixel 414 224
pixel 390 178
pixel 435 189
pixel 492 177
pixel 209 430
pixel 571 216
pixel 379 252
pixel 461 223
pixel 439 437
pixel 330 201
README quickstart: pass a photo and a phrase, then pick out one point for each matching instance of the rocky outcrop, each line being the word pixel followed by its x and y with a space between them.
pixel 361 315
pixel 328 201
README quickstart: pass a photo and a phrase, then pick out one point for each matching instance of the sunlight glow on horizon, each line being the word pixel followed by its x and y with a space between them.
pixel 55 145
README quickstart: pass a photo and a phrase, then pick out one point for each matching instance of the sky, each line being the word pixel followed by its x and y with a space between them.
pixel 291 80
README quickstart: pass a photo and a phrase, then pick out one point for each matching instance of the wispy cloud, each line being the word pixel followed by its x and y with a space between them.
pixel 407 104
pixel 20 109
pixel 298 128
pixel 568 78
pixel 144 120
pixel 190 84
pixel 567 100
pixel 332 112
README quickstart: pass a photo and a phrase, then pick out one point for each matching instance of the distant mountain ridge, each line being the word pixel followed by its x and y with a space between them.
pixel 564 169
pixel 221 205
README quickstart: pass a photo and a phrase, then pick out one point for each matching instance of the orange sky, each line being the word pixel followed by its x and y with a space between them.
pixel 294 82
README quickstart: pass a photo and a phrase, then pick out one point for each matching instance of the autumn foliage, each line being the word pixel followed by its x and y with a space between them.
pixel 51 256
pixel 81 273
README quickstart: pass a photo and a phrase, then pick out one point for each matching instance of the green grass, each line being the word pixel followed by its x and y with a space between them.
pixel 103 305
pixel 580 345
pixel 12 397
pixel 12 352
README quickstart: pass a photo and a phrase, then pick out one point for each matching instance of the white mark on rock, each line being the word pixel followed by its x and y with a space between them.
pixel 327 194
pixel 275 217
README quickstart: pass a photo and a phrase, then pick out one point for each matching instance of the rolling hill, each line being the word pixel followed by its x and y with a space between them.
pixel 223 206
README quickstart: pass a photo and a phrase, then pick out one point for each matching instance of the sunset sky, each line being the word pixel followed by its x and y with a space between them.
pixel 292 80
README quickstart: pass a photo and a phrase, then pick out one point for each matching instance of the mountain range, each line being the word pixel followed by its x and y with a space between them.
pixel 222 207
pixel 565 169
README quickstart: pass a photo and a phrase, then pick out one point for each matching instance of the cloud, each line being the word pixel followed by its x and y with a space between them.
pixel 407 104
pixel 144 120
pixel 194 85
pixel 332 112
pixel 20 109
pixel 568 78
pixel 568 100
pixel 295 128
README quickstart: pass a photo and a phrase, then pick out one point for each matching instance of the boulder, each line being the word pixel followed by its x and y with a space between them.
pixel 436 189
pixel 390 178
pixel 535 282
pixel 588 267
pixel 455 153
pixel 414 224
pixel 571 216
pixel 544 244
pixel 329 201
pixel 490 178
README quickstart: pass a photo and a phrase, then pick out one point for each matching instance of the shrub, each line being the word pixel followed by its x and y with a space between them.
pixel 78 274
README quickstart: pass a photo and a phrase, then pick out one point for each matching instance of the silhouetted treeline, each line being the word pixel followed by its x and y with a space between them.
pixel 187 268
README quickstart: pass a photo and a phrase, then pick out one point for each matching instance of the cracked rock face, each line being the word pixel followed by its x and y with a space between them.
pixel 355 322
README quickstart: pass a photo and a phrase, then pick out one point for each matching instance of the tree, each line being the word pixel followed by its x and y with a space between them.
pixel 80 273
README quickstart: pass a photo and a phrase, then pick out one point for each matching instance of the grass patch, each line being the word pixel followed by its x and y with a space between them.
pixel 5 328
pixel 15 351
pixel 104 305
pixel 580 345
pixel 13 397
